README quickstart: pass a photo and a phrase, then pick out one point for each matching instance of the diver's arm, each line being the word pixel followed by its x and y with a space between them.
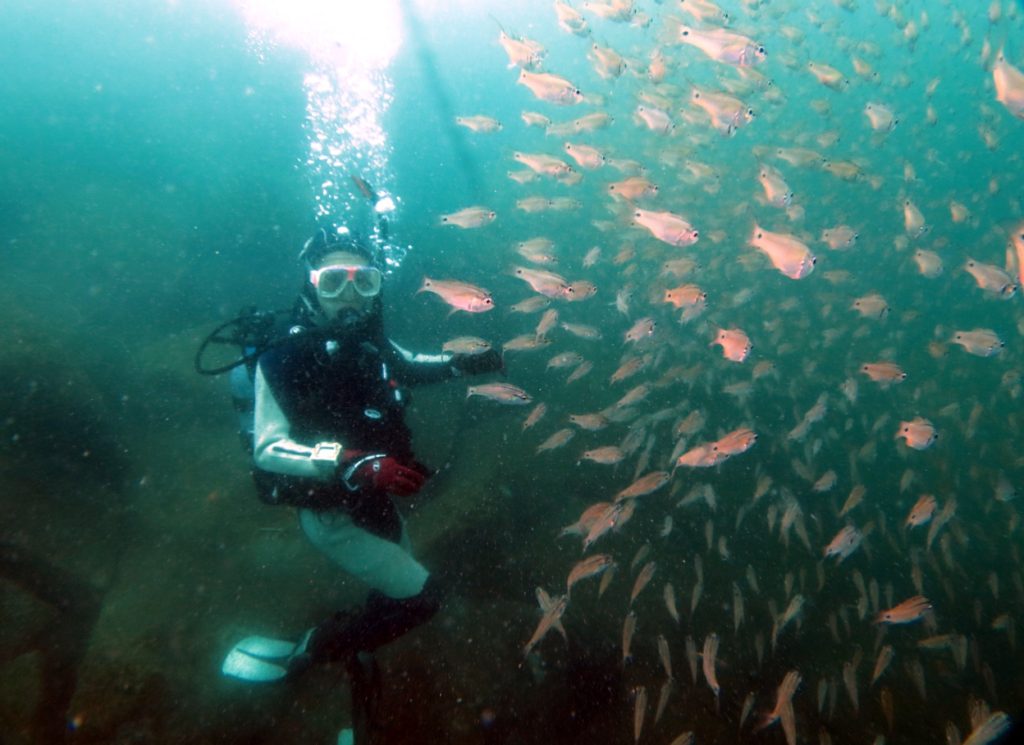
pixel 412 368
pixel 274 449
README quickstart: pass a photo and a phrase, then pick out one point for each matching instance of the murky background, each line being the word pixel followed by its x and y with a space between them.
pixel 159 173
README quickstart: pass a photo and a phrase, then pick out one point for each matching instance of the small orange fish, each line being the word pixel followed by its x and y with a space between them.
pixel 607 455
pixel 776 190
pixel 709 656
pixel 607 62
pixel 581 330
pixel 628 369
pixel 667 227
pixel 643 486
pixel 557 440
pixel 535 416
pixel 550 88
pixel 589 567
pixel 525 342
pixel 546 283
pixel 643 328
pixel 922 511
pixel 736 442
pixel 591 122
pixel 479 123
pixel 724 46
pixel 881 117
pixel 632 188
pixel 565 359
pixel 466 345
pixel 928 263
pixel 787 253
pixel 587 520
pixel 654 119
pixel 828 75
pixel 533 119
pixel 628 630
pixel 702 456
pixel 470 217
pixel 918 433
pixel 958 212
pixel 504 393
pixel 735 344
pixel 579 290
pixel 533 204
pixel 521 52
pixel 685 295
pixel 459 295
pixel 825 482
pixel 553 610
pixel 582 369
pixel 871 306
pixel 884 373
pixel 589 422
pixel 1018 246
pixel 979 342
pixel 727 113
pixel 585 155
pixel 642 580
pixel 1009 85
pixel 910 610
pixel 614 516
pixel 840 237
pixel 546 165
pixel 844 543
pixel 991 278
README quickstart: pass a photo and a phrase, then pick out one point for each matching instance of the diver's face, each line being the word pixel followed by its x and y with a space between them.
pixel 349 299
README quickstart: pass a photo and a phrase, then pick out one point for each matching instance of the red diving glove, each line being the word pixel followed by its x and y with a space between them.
pixel 382 473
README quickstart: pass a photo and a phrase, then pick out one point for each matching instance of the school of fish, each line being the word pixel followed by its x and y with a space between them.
pixel 772 350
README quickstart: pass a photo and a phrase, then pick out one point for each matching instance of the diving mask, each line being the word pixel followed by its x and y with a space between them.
pixel 330 281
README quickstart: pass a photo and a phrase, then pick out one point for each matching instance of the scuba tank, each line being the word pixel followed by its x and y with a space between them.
pixel 253 332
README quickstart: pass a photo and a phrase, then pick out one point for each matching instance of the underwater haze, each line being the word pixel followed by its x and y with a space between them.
pixel 755 264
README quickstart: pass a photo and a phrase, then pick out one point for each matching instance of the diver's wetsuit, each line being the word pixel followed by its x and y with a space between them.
pixel 345 386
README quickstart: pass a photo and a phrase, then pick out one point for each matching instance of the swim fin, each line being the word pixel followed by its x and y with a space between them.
pixel 259 659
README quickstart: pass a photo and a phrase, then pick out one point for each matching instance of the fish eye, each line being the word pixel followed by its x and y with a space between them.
pixel 760 50
pixel 686 32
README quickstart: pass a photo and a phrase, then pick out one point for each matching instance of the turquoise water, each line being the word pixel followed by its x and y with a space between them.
pixel 156 178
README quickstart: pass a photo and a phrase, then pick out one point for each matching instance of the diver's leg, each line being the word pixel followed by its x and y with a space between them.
pixel 364 679
pixel 404 594
pixel 385 565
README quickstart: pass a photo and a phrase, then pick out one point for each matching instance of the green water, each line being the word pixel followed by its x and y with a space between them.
pixel 155 179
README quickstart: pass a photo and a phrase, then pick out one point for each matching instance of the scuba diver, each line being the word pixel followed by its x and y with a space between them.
pixel 329 438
